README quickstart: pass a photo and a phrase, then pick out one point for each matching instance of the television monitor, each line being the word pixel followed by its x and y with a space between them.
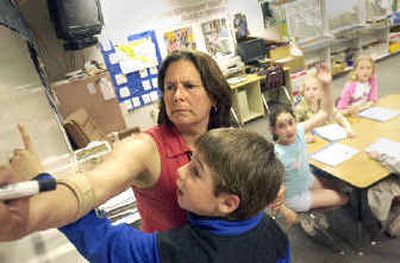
pixel 76 21
pixel 251 50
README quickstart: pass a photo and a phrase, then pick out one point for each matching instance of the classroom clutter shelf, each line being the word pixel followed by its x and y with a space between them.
pixel 336 33
pixel 246 98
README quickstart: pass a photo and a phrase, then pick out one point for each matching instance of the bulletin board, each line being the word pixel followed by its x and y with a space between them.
pixel 133 68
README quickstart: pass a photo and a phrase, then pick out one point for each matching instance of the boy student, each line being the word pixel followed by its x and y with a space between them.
pixel 232 176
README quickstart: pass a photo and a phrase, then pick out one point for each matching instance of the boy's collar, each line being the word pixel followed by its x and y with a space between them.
pixel 224 227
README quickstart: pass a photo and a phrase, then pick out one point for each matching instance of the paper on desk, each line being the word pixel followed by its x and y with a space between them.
pixel 383 145
pixel 378 114
pixel 334 154
pixel 331 132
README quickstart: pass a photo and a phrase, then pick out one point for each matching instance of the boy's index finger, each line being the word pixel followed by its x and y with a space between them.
pixel 26 138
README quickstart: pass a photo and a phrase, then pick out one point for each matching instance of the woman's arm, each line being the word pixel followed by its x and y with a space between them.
pixel 132 161
pixel 325 78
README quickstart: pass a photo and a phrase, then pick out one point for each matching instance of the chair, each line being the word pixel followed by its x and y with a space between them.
pixel 272 87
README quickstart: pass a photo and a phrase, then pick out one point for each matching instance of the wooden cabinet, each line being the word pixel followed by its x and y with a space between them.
pixel 247 100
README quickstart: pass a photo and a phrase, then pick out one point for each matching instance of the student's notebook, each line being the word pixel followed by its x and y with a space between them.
pixel 334 154
pixel 331 132
pixel 379 114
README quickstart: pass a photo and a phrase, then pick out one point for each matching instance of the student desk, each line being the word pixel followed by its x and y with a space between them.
pixel 361 171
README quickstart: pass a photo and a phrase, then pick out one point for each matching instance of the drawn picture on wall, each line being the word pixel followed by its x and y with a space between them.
pixel 240 26
pixel 179 39
pixel 218 38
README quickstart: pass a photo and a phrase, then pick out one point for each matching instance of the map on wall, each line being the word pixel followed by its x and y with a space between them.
pixel 133 68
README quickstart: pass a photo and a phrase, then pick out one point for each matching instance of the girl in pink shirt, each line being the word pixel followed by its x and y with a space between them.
pixel 361 91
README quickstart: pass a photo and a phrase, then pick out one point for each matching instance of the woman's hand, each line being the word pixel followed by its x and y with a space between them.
pixel 13 213
pixel 25 162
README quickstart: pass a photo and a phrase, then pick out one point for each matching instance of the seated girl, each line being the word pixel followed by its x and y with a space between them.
pixel 303 190
pixel 361 91
pixel 310 104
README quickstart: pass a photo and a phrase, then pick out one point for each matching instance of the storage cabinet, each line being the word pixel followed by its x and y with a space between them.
pixel 246 98
pixel 337 31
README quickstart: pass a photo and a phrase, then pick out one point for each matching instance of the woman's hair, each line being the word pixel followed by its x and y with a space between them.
pixel 353 74
pixel 275 112
pixel 213 81
pixel 242 163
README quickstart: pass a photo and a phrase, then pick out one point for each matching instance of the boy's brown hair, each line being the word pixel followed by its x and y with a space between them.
pixel 243 163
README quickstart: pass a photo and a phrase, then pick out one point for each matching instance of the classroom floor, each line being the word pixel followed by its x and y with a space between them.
pixel 383 249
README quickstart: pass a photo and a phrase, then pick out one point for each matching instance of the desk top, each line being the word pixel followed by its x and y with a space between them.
pixel 249 78
pixel 361 171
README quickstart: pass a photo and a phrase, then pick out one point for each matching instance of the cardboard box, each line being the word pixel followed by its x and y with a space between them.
pixel 282 55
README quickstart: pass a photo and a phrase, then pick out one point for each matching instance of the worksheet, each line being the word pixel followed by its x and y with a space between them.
pixel 331 132
pixel 378 114
pixel 384 145
pixel 334 154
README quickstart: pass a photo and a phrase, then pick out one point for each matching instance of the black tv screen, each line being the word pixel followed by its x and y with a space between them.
pixel 76 20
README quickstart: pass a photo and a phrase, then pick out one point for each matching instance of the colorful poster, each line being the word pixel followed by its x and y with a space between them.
pixel 218 38
pixel 180 39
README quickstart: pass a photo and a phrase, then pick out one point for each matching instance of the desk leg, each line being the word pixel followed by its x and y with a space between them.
pixel 361 208
pixel 234 115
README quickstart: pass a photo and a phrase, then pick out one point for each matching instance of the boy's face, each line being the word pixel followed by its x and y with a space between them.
pixel 312 90
pixel 364 70
pixel 285 128
pixel 195 189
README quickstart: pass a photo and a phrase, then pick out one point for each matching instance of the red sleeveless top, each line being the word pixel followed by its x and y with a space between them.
pixel 158 205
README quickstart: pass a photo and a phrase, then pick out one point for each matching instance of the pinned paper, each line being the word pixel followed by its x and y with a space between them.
pixel 91 88
pixel 105 43
pixel 146 98
pixel 137 55
pixel 153 70
pixel 120 79
pixel 113 57
pixel 154 96
pixel 124 92
pixel 146 85
pixel 128 105
pixel 154 82
pixel 106 89
pixel 143 73
pixel 136 102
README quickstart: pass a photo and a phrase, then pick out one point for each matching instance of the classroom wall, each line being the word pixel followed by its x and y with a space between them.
pixel 122 18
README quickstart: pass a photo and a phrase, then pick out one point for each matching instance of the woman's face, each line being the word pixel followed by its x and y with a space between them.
pixel 186 100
